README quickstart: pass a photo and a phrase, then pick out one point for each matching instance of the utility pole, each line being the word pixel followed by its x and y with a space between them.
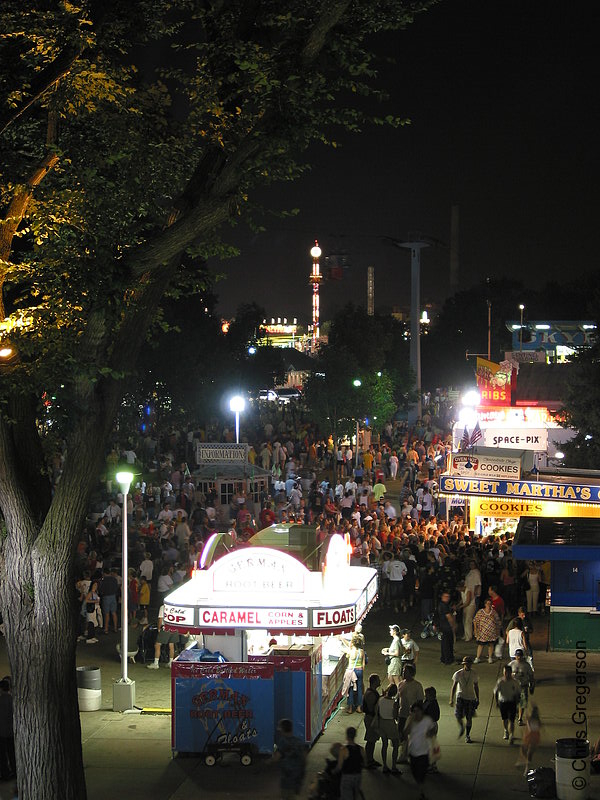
pixel 371 291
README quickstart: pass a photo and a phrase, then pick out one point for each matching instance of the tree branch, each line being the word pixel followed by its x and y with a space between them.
pixel 14 496
pixel 18 205
pixel 44 81
pixel 317 38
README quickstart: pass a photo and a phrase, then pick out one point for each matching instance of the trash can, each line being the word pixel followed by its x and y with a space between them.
pixel 572 769
pixel 89 688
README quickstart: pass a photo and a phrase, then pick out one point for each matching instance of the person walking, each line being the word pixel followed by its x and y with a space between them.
pixel 387 724
pixel 515 638
pixel 523 673
pixel 393 653
pixel 351 761
pixel 370 704
pixel 532 577
pixel 465 687
pixel 109 591
pixel 447 622
pixel 409 691
pixel 419 729
pixel 291 755
pixel 92 603
pixel 356 664
pixel 467 604
pixel 487 626
pixel 506 694
pixel 410 649
pixel 531 738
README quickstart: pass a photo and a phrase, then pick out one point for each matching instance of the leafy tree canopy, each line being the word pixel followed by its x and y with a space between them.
pixel 361 373
pixel 130 133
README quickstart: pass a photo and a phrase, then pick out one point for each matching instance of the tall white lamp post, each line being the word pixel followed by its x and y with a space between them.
pixel 521 309
pixel 356 383
pixel 237 404
pixel 124 688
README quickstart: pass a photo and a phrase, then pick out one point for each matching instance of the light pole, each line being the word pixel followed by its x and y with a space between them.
pixel 237 404
pixel 315 279
pixel 357 383
pixel 521 309
pixel 124 688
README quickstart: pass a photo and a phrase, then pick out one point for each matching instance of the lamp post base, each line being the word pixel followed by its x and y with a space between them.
pixel 123 695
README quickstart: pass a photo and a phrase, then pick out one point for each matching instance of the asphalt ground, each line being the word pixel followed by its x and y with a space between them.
pixel 129 755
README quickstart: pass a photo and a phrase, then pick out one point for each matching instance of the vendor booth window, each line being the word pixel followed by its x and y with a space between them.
pixel 205 487
pixel 227 492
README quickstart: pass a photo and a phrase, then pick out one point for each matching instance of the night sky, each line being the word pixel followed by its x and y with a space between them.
pixel 504 116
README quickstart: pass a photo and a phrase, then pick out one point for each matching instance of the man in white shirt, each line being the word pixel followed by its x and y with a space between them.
pixel 112 512
pixel 348 456
pixel 147 567
pixel 165 514
pixel 351 486
pixel 465 686
pixel 163 637
pixel 396 572
pixel 295 497
pixel 426 504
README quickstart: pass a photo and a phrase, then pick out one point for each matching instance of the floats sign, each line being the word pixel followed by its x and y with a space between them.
pixel 573 492
pixel 334 617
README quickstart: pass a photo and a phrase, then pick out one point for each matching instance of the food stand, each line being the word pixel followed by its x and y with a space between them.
pixel 277 624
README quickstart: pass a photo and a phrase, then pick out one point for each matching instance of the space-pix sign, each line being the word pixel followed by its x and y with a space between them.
pixel 516 438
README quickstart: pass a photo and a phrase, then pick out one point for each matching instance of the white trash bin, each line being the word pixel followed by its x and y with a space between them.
pixel 572 769
pixel 89 688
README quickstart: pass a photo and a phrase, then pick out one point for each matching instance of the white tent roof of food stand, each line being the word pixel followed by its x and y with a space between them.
pixel 268 589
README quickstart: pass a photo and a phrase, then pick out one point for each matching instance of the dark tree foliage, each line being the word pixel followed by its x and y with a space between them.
pixel 130 133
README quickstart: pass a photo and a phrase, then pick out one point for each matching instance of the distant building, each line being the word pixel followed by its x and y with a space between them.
pixel 549 341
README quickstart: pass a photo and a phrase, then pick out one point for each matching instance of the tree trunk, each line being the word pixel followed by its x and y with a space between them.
pixel 39 615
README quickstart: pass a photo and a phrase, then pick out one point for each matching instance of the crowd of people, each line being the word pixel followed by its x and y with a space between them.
pixel 430 568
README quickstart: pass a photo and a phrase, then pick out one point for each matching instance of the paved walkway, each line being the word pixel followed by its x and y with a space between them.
pixel 129 755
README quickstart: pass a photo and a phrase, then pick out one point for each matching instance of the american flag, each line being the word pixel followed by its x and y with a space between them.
pixel 476 435
pixel 466 439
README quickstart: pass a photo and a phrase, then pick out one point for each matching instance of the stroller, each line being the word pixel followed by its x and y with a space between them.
pixel 326 785
pixel 430 629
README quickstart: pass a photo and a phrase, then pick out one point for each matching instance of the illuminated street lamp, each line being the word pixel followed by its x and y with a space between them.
pixel 315 279
pixel 356 383
pixel 521 309
pixel 237 404
pixel 8 354
pixel 124 688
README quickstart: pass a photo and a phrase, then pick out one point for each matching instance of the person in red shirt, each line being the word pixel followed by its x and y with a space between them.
pixel 267 517
pixel 497 602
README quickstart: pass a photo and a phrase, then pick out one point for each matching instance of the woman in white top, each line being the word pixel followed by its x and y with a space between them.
pixel 515 639
pixel 386 720
pixel 394 652
pixel 467 603
pixel 532 576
